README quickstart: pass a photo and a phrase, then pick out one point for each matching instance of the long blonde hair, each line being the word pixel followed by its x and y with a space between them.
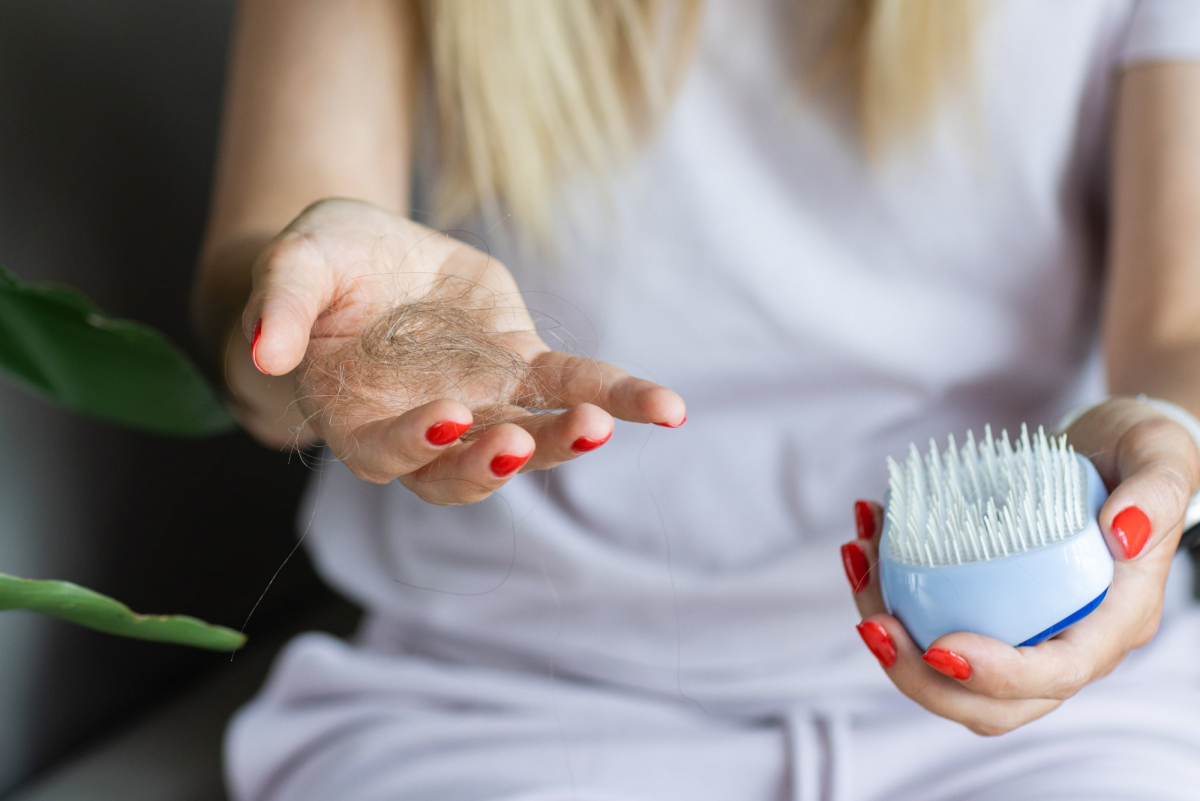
pixel 529 91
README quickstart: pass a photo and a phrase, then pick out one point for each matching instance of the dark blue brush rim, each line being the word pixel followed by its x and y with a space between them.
pixel 1069 620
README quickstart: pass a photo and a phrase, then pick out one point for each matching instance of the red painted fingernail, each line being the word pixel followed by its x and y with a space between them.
pixel 948 662
pixel 673 425
pixel 1131 527
pixel 445 432
pixel 254 346
pixel 855 562
pixel 583 444
pixel 879 641
pixel 864 519
pixel 506 464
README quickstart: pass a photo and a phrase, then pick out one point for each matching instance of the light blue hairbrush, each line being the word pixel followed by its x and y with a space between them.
pixel 993 539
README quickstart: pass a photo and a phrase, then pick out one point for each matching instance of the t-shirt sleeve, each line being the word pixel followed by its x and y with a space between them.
pixel 1163 30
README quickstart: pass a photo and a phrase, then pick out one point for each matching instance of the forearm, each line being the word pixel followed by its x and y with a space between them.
pixel 318 104
pixel 1168 372
pixel 1151 317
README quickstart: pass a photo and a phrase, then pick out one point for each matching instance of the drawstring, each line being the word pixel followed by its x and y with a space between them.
pixel 804 754
pixel 837 739
pixel 818 750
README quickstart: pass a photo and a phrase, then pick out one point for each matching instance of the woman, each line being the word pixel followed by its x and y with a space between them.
pixel 836 229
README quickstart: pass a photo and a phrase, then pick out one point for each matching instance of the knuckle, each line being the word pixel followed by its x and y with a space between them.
pixel 405 454
pixel 369 475
pixel 1175 489
pixel 922 691
pixel 1077 677
pixel 1000 721
pixel 988 728
pixel 1149 627
pixel 1103 671
pixel 445 487
pixel 1005 686
pixel 1149 431
pixel 323 203
pixel 429 491
pixel 473 495
pixel 1067 689
pixel 418 488
pixel 282 253
pixel 1154 433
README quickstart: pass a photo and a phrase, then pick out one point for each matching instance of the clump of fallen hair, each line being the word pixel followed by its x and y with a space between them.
pixel 442 350
pixel 414 353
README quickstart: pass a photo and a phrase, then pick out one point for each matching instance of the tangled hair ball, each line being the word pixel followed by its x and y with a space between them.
pixel 444 345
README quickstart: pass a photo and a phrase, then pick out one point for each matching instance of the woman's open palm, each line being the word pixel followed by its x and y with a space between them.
pixel 402 340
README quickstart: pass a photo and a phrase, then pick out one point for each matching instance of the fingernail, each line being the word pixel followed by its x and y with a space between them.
pixel 583 444
pixel 864 519
pixel 855 562
pixel 948 662
pixel 673 425
pixel 878 641
pixel 445 432
pixel 506 464
pixel 1131 527
pixel 254 346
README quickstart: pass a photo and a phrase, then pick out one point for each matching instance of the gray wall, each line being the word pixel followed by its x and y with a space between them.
pixel 108 115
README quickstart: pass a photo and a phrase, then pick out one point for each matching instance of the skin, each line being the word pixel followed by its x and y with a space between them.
pixel 320 109
pixel 1152 339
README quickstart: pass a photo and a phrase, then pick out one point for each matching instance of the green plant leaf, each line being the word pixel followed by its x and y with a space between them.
pixel 54 342
pixel 88 608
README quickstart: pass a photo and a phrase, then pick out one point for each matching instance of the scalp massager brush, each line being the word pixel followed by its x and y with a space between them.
pixel 994 539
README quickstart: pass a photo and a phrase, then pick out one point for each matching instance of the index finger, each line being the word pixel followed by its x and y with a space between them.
pixel 561 380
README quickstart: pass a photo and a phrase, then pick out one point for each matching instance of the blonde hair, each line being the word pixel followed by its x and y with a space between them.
pixel 530 91
pixel 912 54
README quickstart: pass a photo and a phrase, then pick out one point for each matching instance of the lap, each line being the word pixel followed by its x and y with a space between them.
pixel 1134 736
pixel 337 722
pixel 334 723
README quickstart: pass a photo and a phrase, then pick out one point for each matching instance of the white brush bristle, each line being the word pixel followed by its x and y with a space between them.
pixel 985 500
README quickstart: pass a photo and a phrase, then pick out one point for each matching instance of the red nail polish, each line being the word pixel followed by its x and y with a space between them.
pixel 1131 527
pixel 506 464
pixel 864 520
pixel 583 444
pixel 878 641
pixel 254 346
pixel 445 432
pixel 857 569
pixel 948 662
pixel 673 425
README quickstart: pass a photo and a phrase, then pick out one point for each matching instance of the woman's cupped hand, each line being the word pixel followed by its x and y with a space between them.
pixel 1151 467
pixel 414 357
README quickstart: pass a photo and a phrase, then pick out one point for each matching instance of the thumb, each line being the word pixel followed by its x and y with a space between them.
pixel 290 288
pixel 1158 469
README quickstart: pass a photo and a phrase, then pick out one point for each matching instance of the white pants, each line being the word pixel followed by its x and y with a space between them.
pixel 338 723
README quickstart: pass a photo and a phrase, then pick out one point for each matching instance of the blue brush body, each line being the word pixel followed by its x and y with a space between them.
pixel 994 539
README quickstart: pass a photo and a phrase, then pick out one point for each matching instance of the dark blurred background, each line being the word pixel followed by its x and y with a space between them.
pixel 108 123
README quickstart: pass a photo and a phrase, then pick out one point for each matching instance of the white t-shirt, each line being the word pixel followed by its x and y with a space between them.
pixel 817 314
